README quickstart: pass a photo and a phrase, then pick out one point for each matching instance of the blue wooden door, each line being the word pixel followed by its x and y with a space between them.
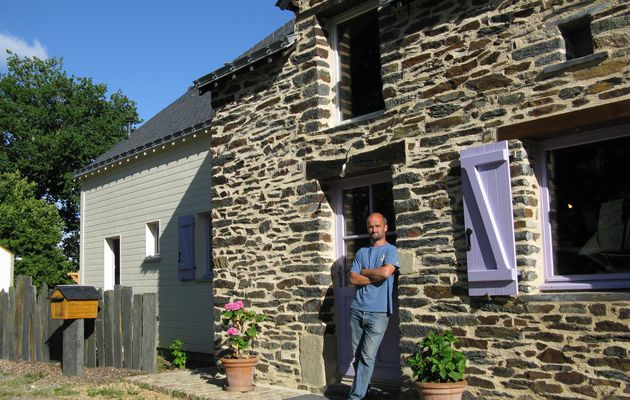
pixel 355 199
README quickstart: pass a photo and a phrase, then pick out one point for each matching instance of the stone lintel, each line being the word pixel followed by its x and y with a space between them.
pixel 573 65
pixel 568 122
pixel 379 159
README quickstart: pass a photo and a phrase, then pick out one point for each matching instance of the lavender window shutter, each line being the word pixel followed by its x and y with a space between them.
pixel 489 223
pixel 186 263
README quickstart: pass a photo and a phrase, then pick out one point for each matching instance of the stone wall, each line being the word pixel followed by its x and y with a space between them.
pixel 453 73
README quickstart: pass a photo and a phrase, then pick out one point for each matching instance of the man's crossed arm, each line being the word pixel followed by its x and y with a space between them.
pixel 369 276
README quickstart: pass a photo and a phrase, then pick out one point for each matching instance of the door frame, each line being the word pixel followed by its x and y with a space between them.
pixel 339 273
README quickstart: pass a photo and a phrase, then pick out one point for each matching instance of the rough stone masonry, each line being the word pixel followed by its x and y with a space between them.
pixel 453 73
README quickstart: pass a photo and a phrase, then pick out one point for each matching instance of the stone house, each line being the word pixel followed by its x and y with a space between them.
pixel 145 219
pixel 491 133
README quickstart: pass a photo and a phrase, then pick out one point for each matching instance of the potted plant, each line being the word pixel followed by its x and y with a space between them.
pixel 438 368
pixel 242 327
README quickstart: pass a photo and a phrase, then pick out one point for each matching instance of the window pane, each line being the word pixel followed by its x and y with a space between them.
pixel 356 208
pixel 384 203
pixel 590 207
pixel 360 86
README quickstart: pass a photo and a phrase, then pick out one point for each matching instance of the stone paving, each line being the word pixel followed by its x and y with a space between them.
pixel 201 385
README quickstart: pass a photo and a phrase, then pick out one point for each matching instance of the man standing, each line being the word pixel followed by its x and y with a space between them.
pixel 372 273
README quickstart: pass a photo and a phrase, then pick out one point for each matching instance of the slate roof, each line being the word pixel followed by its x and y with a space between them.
pixel 78 292
pixel 193 110
pixel 189 112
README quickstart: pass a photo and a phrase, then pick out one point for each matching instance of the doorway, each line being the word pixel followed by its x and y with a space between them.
pixel 111 274
pixel 354 200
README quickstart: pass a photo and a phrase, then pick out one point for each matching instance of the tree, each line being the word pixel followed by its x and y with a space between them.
pixel 52 125
pixel 31 229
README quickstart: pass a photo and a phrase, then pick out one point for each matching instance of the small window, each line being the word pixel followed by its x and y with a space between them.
pixel 586 211
pixel 358 83
pixel 153 239
pixel 577 38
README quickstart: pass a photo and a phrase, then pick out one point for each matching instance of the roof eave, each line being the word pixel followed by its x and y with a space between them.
pixel 148 146
pixel 238 65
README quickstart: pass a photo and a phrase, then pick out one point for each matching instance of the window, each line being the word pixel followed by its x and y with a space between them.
pixel 586 210
pixel 356 65
pixel 153 239
pixel 577 38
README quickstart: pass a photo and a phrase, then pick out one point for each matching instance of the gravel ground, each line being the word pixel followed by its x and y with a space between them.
pixel 28 380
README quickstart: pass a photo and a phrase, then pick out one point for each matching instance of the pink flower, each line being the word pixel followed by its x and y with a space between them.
pixel 232 331
pixel 237 305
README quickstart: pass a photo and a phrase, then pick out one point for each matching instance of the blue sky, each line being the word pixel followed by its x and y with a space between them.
pixel 150 50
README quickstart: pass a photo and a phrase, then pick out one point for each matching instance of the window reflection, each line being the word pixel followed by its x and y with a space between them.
pixel 589 190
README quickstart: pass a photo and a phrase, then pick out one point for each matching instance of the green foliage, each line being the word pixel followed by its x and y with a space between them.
pixel 178 356
pixel 32 230
pixel 242 327
pixel 435 359
pixel 52 125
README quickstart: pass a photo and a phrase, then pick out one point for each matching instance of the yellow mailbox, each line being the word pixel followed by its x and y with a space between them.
pixel 74 302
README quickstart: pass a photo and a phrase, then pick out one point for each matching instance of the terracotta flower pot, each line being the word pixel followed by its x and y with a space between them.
pixel 240 373
pixel 441 391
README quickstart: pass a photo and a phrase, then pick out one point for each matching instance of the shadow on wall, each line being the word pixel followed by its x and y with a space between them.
pixel 185 306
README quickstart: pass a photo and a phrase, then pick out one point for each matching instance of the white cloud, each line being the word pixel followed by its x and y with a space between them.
pixel 20 47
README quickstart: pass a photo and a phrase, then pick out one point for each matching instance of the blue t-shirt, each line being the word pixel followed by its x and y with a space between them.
pixel 376 297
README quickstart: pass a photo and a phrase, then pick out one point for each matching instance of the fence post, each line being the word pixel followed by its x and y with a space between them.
pixel 127 325
pixel 43 307
pixel 10 328
pixel 108 321
pixel 117 326
pixel 136 315
pixel 4 311
pixel 100 330
pixel 72 360
pixel 149 322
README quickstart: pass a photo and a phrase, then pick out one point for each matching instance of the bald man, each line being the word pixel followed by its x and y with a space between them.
pixel 372 273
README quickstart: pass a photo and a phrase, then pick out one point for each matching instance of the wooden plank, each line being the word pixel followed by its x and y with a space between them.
pixel 89 342
pixel 44 312
pixel 127 326
pixel 11 353
pixel 54 343
pixel 33 326
pixel 117 325
pixel 19 316
pixel 4 311
pixel 108 324
pixel 99 326
pixel 136 335
pixel 149 324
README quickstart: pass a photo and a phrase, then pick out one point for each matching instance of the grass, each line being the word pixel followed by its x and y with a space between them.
pixel 38 385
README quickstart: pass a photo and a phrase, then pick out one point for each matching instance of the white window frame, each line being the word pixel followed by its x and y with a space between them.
pixel 336 67
pixel 573 282
pixel 152 238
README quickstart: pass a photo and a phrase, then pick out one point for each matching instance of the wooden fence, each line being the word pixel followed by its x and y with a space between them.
pixel 122 336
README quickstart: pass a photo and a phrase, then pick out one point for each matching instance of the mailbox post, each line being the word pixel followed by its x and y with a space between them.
pixel 73 303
